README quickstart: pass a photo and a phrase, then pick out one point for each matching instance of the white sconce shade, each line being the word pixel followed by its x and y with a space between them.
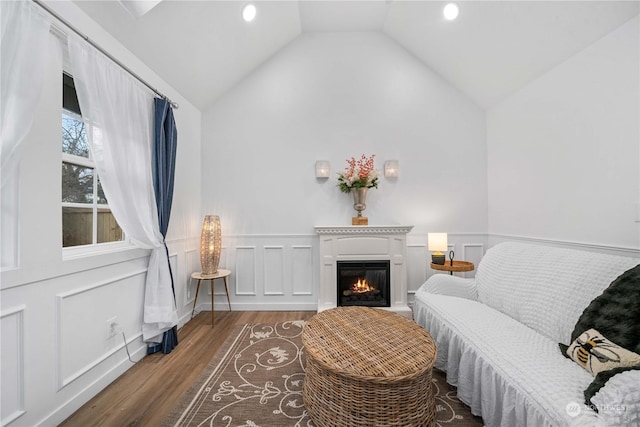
pixel 210 244
pixel 437 243
pixel 249 12
pixel 391 169
pixel 451 11
pixel 322 169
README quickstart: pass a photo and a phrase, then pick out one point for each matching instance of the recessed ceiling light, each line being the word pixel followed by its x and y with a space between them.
pixel 249 12
pixel 451 11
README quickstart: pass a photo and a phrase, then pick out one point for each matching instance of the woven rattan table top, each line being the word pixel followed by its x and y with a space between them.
pixel 367 343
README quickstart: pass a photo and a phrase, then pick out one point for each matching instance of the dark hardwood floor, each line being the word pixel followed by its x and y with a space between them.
pixel 147 392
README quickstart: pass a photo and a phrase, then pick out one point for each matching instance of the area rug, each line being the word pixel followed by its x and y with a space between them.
pixel 255 380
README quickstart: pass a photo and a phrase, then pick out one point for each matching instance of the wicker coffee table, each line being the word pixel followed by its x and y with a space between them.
pixel 367 367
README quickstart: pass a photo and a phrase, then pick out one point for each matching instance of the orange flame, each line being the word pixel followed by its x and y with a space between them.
pixel 361 286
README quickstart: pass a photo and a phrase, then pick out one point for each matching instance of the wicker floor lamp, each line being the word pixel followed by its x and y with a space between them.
pixel 210 244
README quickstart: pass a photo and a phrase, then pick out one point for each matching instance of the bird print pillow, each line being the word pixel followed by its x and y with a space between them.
pixel 595 353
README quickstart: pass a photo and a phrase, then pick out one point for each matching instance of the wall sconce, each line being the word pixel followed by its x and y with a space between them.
pixel 437 242
pixel 322 169
pixel 391 168
pixel 210 244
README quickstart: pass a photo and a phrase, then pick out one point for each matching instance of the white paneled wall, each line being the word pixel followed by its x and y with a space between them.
pixel 281 272
pixel 57 351
pixel 274 272
pixel 12 339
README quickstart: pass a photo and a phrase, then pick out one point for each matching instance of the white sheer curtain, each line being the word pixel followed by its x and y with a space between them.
pixel 24 41
pixel 118 111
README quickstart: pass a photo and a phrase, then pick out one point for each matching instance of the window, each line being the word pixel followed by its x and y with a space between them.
pixel 86 217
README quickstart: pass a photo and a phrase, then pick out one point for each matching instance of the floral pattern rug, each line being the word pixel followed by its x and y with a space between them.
pixel 255 380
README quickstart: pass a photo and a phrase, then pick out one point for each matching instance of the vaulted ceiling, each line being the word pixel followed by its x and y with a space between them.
pixel 204 48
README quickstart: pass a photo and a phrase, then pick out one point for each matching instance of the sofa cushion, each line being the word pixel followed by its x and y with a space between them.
pixel 595 353
pixel 545 288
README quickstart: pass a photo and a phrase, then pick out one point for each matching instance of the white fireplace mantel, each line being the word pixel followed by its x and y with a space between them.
pixel 357 243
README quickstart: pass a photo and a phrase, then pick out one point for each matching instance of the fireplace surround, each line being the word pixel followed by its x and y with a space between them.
pixel 364 243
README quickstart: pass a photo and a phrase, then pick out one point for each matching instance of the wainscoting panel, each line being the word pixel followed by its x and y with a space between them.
pixel 268 272
pixel 218 286
pixel 472 252
pixel 245 271
pixel 280 272
pixel 83 338
pixel 192 264
pixel 417 264
pixel 302 270
pixel 12 364
pixel 273 265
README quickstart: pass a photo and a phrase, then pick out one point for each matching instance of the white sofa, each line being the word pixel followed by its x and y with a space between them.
pixel 497 337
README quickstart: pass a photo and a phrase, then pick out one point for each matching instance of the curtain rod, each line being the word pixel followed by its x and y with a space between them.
pixel 104 52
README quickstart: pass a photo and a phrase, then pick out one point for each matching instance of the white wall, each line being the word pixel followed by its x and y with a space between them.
pixel 330 96
pixel 564 151
pixel 54 309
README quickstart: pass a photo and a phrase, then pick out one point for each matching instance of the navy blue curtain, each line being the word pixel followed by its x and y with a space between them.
pixel 164 165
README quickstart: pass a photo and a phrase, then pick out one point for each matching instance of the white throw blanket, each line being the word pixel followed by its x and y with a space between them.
pixel 508 367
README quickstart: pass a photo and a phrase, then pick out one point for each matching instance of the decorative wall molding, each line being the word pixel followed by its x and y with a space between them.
pixel 302 276
pixel 363 229
pixel 13 353
pixel 495 238
pixel 101 283
pixel 62 380
pixel 189 291
pixel 292 283
pixel 245 272
pixel 20 277
pixel 273 268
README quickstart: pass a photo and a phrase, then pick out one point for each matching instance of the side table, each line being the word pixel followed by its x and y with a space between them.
pixel 451 266
pixel 220 274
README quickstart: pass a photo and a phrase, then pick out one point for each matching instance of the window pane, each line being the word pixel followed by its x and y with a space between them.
pixel 102 199
pixel 77 183
pixel 108 228
pixel 74 137
pixel 77 226
pixel 69 95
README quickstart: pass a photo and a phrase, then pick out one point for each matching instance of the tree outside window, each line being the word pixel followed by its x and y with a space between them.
pixel 86 217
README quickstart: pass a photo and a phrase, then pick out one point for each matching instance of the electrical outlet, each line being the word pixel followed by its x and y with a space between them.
pixel 112 327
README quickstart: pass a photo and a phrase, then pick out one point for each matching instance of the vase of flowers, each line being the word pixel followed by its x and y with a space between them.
pixel 359 199
pixel 357 178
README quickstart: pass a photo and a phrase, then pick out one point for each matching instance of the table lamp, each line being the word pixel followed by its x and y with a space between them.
pixel 437 243
pixel 210 244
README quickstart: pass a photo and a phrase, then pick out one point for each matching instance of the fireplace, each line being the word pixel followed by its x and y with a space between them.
pixel 364 244
pixel 364 283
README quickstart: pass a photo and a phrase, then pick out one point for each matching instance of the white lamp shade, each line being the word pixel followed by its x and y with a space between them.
pixel 437 242
pixel 322 169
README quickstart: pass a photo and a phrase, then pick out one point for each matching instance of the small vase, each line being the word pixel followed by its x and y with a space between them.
pixel 359 199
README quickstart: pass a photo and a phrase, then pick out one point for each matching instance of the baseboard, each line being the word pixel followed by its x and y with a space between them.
pixel 259 306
